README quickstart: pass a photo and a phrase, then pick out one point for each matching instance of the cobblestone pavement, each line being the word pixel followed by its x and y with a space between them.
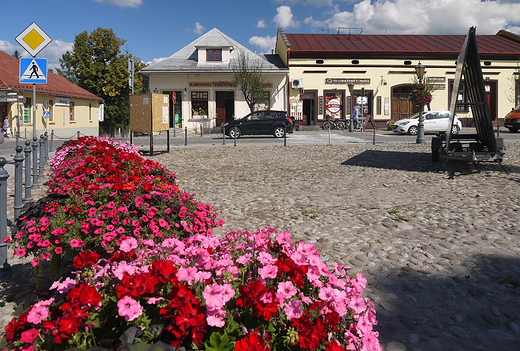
pixel 440 250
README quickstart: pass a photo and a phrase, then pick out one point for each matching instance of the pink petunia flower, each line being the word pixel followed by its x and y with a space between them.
pixel 28 336
pixel 129 308
pixel 213 296
pixel 37 314
pixel 128 244
pixel 215 318
pixel 76 243
pixel 268 271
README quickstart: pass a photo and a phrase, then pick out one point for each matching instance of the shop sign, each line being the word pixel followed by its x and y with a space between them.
pixel 334 106
pixel 436 79
pixel 347 81
pixel 438 86
pixel 7 98
pixel 62 102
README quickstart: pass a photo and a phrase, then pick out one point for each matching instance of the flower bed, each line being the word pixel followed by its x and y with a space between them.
pixel 184 287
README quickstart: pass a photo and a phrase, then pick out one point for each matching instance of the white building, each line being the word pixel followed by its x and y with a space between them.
pixel 200 81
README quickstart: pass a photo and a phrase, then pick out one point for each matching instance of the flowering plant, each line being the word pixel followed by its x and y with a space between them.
pixel 247 291
pixel 101 192
pixel 164 279
pixel 421 94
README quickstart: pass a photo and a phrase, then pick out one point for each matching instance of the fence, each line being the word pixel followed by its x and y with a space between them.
pixel 29 165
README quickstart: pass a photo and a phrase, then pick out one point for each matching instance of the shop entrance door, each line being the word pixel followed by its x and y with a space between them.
pixel 225 106
pixel 401 107
pixel 309 108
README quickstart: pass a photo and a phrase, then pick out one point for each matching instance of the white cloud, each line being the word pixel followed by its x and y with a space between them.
pixel 266 43
pixel 424 17
pixel 284 18
pixel 122 3
pixel 52 52
pixel 261 24
pixel 199 29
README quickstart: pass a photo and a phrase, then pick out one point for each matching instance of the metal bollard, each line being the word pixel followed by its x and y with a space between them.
pixel 42 152
pixel 498 129
pixel 223 136
pixel 35 163
pixel 234 139
pixel 78 134
pixel 18 175
pixel 3 215
pixel 45 149
pixel 201 130
pixel 185 136
pixel 52 139
pixel 27 151
pixel 284 136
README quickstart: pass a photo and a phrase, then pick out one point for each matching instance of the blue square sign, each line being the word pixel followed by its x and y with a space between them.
pixel 33 70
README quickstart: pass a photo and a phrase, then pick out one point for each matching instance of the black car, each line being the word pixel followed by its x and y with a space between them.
pixel 267 122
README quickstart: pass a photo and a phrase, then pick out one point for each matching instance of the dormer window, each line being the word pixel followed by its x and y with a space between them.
pixel 214 55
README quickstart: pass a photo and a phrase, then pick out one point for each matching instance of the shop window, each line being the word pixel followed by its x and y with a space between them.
pixel 71 111
pixel 214 55
pixel 265 104
pixel 334 104
pixel 462 98
pixel 27 111
pixel 199 104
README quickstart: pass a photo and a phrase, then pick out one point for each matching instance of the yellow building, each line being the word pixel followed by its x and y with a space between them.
pixel 382 71
pixel 68 108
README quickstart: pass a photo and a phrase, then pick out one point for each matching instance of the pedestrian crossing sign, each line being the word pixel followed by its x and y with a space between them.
pixel 33 70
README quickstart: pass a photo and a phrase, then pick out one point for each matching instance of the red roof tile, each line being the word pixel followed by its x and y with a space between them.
pixel 503 45
pixel 56 84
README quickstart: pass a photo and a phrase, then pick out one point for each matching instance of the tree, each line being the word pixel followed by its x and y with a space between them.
pixel 249 80
pixel 97 64
pixel 16 54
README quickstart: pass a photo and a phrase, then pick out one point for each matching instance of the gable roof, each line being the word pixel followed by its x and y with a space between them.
pixel 503 45
pixel 56 84
pixel 186 59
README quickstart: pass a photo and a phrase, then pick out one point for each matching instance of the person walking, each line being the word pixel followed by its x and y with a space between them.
pixel 355 118
pixel 6 127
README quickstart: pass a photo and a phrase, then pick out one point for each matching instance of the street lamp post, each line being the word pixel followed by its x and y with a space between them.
pixel 419 70
pixel 351 124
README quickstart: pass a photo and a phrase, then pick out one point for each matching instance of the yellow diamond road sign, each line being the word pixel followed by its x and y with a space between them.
pixel 33 39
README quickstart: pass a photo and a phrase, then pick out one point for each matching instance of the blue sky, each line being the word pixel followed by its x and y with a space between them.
pixel 155 29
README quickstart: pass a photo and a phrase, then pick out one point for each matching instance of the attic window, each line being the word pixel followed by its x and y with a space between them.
pixel 214 55
pixel 355 62
pixel 319 62
pixel 407 62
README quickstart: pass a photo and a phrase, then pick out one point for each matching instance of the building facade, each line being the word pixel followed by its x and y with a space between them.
pixel 382 71
pixel 61 106
pixel 199 79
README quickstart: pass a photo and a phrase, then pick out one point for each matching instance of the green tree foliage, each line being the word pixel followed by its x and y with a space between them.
pixel 16 54
pixel 97 64
pixel 249 80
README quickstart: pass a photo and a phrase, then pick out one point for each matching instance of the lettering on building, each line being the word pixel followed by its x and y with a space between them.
pixel 347 80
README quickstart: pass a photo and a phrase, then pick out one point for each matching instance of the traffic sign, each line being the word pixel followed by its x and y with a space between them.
pixel 33 70
pixel 46 114
pixel 33 39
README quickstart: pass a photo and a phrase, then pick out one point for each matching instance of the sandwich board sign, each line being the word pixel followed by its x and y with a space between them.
pixel 33 70
pixel 33 39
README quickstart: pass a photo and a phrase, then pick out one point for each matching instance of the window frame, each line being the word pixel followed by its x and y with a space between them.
pixel 212 53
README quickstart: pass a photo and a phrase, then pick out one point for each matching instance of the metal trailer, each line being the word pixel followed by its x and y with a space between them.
pixel 479 147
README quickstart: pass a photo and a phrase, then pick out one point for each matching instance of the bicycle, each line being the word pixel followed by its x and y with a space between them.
pixel 334 124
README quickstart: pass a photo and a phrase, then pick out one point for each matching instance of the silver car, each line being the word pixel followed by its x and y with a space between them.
pixel 434 121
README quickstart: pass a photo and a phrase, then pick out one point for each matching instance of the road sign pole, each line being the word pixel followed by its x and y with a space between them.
pixel 34 111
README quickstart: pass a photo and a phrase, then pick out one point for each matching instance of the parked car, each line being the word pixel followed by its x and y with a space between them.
pixel 434 121
pixel 512 120
pixel 268 122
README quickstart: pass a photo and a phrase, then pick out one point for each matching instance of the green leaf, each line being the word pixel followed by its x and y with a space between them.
pixel 219 342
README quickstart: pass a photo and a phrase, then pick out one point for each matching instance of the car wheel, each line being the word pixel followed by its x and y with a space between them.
pixel 234 132
pixel 455 129
pixel 513 130
pixel 412 130
pixel 341 125
pixel 279 132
